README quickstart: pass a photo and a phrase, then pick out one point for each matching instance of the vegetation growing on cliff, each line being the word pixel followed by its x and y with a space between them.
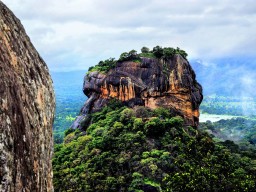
pixel 158 52
pixel 140 150
pixel 103 66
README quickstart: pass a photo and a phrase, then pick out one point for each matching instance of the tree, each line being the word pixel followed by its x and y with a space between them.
pixel 158 51
pixel 132 54
pixel 123 56
pixel 168 52
pixel 181 52
pixel 145 50
pixel 104 66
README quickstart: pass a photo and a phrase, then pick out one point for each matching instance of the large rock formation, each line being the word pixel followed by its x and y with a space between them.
pixel 27 106
pixel 151 82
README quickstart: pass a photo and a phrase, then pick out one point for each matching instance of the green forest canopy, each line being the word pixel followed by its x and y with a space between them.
pixel 139 149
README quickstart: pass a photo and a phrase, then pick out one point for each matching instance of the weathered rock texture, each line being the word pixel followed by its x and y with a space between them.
pixel 27 106
pixel 152 83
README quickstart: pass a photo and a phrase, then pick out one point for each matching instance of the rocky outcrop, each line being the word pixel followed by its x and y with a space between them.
pixel 152 83
pixel 27 106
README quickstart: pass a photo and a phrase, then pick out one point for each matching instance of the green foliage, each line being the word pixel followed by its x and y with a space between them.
pixel 241 130
pixel 162 112
pixel 142 112
pixel 71 134
pixel 115 104
pixel 145 50
pixel 124 57
pixel 70 137
pixel 127 115
pixel 58 136
pixel 148 55
pixel 181 52
pixel 138 124
pixel 158 51
pixel 130 56
pixel 68 131
pixel 154 127
pixel 123 153
pixel 103 66
pixel 167 53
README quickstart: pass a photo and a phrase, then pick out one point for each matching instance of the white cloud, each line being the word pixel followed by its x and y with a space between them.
pixel 77 34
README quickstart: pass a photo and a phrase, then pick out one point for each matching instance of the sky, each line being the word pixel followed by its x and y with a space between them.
pixel 75 34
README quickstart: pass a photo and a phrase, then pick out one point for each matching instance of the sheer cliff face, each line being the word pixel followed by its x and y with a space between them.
pixel 26 111
pixel 152 83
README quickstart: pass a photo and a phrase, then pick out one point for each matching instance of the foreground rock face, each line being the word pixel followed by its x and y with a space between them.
pixel 151 83
pixel 26 111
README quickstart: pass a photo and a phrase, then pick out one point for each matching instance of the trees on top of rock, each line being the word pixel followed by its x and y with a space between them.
pixel 131 55
pixel 104 66
pixel 168 52
pixel 181 52
pixel 145 50
pixel 157 52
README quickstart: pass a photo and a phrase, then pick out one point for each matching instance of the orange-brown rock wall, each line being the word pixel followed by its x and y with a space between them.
pixel 150 82
pixel 27 106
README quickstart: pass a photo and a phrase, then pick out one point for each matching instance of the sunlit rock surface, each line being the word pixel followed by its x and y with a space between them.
pixel 27 106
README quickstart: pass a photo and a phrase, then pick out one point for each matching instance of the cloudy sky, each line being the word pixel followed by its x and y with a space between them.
pixel 75 34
